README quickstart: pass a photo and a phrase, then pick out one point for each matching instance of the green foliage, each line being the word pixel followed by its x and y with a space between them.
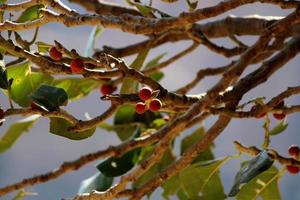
pixel 59 126
pixel 250 170
pixel 30 14
pixel 166 160
pixel 97 182
pixel 76 88
pixel 15 131
pixel 25 82
pixel 279 128
pixel 198 181
pixel 114 166
pixel 43 47
pixel 265 186
pixel 49 97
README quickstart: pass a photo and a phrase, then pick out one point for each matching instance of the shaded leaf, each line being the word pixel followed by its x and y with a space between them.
pixel 114 166
pixel 59 126
pixel 155 61
pixel 25 82
pixel 95 33
pixel 49 97
pixel 15 131
pixel 279 128
pixel 251 169
pixel 30 14
pixel 264 185
pixel 157 76
pixel 97 182
pixel 76 87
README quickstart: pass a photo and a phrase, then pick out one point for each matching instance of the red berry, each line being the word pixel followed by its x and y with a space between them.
pixel 254 108
pixel 279 116
pixel 145 93
pixel 55 54
pixel 107 89
pixel 1 113
pixel 292 169
pixel 140 107
pixel 294 150
pixel 155 105
pixel 77 66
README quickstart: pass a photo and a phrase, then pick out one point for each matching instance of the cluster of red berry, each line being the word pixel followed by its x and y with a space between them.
pixel 294 151
pixel 77 66
pixel 278 116
pixel 146 95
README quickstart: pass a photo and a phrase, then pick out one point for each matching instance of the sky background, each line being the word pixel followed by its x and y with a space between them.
pixel 39 151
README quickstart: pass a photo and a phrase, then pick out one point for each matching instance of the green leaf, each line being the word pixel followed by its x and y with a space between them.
pixel 43 47
pixel 190 140
pixel 30 14
pixel 97 182
pixel 250 170
pixel 279 128
pixel 89 49
pixel 198 181
pixel 76 87
pixel 130 86
pixel 166 160
pixel 49 97
pixel 155 61
pixel 157 76
pixel 114 166
pixel 25 82
pixel 59 126
pixel 265 186
pixel 125 115
pixel 15 131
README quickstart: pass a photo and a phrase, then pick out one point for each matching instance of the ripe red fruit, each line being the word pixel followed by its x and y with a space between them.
pixel 145 93
pixel 292 169
pixel 279 116
pixel 77 66
pixel 254 108
pixel 294 150
pixel 106 89
pixel 155 105
pixel 55 54
pixel 140 107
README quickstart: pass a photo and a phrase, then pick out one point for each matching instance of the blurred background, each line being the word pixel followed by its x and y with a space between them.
pixel 39 151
